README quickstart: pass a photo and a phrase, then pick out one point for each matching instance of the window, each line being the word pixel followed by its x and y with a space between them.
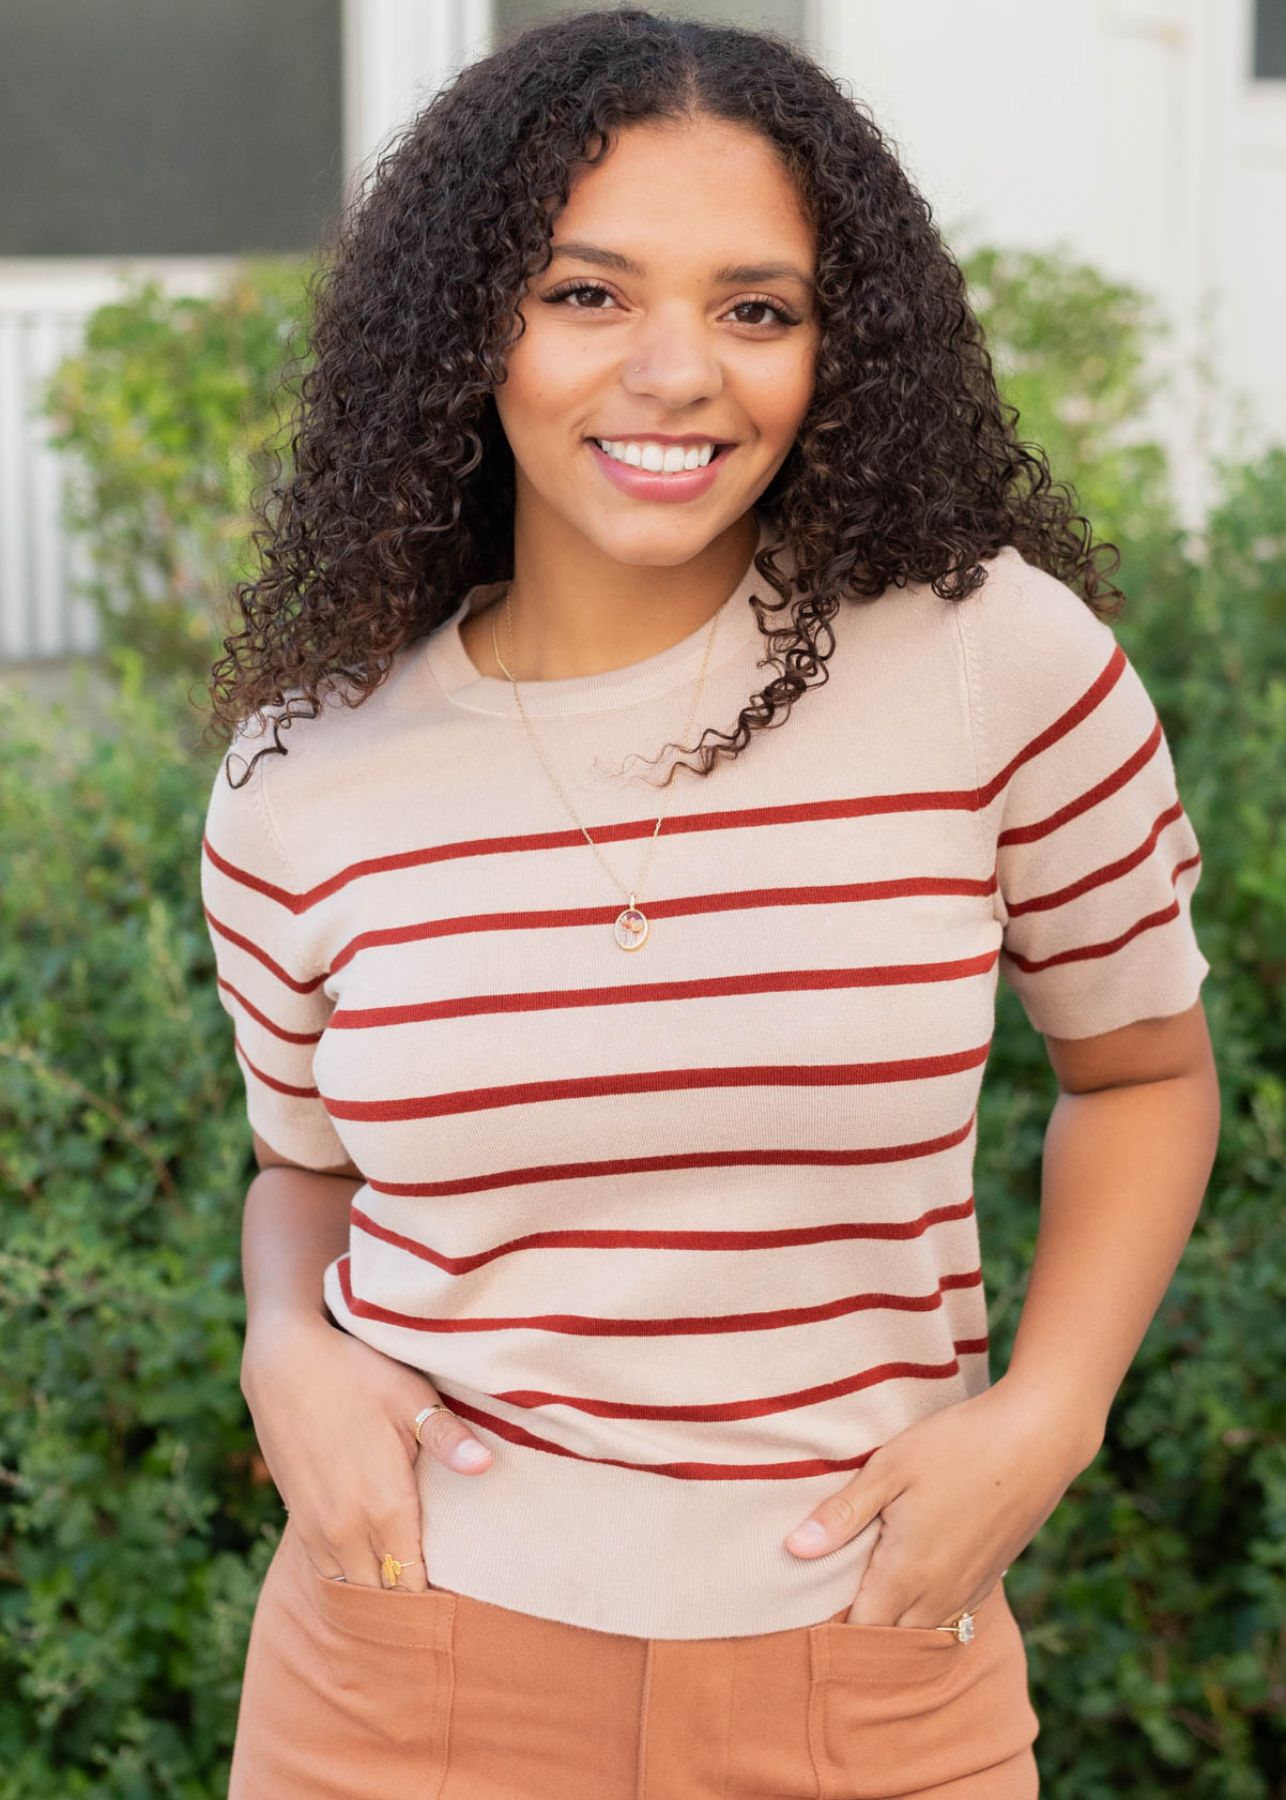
pixel 1270 40
pixel 785 16
pixel 168 127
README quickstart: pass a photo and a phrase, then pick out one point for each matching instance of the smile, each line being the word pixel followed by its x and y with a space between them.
pixel 668 459
pixel 652 471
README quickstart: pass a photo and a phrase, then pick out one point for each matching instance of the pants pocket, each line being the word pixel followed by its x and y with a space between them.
pixel 347 1689
pixel 895 1710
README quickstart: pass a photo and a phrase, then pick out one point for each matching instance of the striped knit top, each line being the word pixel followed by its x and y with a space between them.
pixel 686 1232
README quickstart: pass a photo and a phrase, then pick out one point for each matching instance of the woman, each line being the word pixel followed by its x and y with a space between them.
pixel 613 1060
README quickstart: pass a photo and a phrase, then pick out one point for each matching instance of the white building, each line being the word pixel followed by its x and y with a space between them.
pixel 1147 137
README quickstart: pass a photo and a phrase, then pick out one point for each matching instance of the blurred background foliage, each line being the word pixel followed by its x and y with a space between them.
pixel 168 413
pixel 136 1519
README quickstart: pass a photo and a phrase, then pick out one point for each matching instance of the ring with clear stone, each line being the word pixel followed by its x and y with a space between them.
pixel 962 1626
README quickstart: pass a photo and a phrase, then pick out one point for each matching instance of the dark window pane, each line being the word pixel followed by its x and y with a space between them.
pixel 168 127
pixel 784 16
pixel 1270 40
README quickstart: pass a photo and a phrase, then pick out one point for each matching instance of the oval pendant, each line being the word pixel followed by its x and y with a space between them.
pixel 630 929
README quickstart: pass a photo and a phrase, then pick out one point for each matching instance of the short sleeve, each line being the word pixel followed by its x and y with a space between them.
pixel 1096 860
pixel 276 1003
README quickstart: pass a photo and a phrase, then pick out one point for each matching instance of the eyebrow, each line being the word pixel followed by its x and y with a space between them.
pixel 741 273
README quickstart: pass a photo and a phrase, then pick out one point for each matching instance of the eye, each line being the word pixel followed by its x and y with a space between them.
pixel 578 287
pixel 775 307
pixel 763 303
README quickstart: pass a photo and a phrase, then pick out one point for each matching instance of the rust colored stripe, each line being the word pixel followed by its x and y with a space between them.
pixel 726 819
pixel 1102 790
pixel 629 993
pixel 761 1407
pixel 289 1037
pixel 661 1081
pixel 1081 952
pixel 1093 696
pixel 604 1167
pixel 269 889
pixel 782 1238
pixel 686 906
pixel 798 1470
pixel 261 956
pixel 691 1325
pixel 1099 877
pixel 279 1087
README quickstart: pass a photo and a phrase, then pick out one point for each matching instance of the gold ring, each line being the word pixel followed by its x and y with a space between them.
pixel 391 1568
pixel 423 1414
pixel 961 1627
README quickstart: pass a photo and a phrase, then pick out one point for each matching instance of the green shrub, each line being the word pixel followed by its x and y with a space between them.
pixel 1154 1600
pixel 135 1519
pixel 167 413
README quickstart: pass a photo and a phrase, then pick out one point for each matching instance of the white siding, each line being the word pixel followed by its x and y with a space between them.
pixel 1129 132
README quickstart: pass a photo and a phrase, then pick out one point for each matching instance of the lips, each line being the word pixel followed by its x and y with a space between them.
pixel 649 484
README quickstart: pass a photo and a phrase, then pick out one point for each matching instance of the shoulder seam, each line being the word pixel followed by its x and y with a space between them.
pixel 270 824
pixel 977 707
pixel 275 838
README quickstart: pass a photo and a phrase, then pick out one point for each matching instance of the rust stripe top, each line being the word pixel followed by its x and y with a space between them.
pixel 686 1232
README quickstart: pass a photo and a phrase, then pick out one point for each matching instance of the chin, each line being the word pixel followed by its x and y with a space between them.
pixel 662 543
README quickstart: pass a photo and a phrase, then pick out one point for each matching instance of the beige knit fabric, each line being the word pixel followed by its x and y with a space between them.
pixel 686 1232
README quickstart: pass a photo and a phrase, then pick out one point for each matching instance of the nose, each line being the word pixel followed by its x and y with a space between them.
pixel 674 361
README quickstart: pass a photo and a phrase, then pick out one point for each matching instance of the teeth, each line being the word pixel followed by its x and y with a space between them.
pixel 663 458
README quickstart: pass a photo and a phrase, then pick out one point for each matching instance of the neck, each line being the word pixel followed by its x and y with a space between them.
pixel 576 612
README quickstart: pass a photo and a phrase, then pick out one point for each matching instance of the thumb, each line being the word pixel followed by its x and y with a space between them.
pixel 448 1438
pixel 839 1517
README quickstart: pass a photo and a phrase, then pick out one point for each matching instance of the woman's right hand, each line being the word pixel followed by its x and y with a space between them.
pixel 335 1419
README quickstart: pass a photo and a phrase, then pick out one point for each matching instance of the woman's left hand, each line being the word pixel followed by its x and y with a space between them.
pixel 960 1494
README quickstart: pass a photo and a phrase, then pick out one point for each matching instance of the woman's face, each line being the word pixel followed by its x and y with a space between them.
pixel 678 304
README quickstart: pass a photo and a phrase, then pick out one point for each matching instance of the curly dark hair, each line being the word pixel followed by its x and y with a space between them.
pixel 906 467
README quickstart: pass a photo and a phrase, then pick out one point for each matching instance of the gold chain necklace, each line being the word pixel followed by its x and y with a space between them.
pixel 630 927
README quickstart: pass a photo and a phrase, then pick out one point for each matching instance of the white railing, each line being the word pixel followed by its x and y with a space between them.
pixel 40 614
pixel 44 303
pixel 395 53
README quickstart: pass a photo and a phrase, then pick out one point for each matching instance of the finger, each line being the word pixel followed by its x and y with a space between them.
pixel 399 1535
pixel 839 1517
pixel 871 1609
pixel 349 1557
pixel 451 1441
pixel 877 1605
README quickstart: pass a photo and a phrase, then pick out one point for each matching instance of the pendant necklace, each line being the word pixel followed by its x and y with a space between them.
pixel 630 927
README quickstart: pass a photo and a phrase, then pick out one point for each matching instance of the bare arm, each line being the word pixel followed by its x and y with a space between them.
pixel 961 1492
pixel 295 1223
pixel 334 1416
pixel 1128 1151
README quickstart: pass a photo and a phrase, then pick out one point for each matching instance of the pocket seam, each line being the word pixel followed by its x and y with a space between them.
pixel 430 1629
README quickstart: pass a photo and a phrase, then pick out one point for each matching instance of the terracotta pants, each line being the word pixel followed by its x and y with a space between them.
pixel 363 1693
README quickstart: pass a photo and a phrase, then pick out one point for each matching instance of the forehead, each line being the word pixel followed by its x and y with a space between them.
pixel 706 189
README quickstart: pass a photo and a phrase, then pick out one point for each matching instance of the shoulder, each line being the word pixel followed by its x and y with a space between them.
pixel 240 843
pixel 296 764
pixel 1047 676
pixel 1031 630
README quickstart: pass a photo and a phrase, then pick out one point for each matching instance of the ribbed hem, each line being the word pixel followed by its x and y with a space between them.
pixel 643 1555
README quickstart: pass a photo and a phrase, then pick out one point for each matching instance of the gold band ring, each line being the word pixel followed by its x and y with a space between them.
pixel 423 1414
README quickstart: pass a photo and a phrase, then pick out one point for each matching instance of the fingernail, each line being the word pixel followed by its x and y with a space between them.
pixel 804 1537
pixel 473 1452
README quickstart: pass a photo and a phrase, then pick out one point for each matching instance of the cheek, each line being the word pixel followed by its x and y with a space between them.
pixel 780 396
pixel 548 373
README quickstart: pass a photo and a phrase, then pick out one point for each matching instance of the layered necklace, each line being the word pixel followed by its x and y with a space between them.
pixel 630 927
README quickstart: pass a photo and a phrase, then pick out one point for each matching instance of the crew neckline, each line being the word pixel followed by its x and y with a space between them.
pixel 464 685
